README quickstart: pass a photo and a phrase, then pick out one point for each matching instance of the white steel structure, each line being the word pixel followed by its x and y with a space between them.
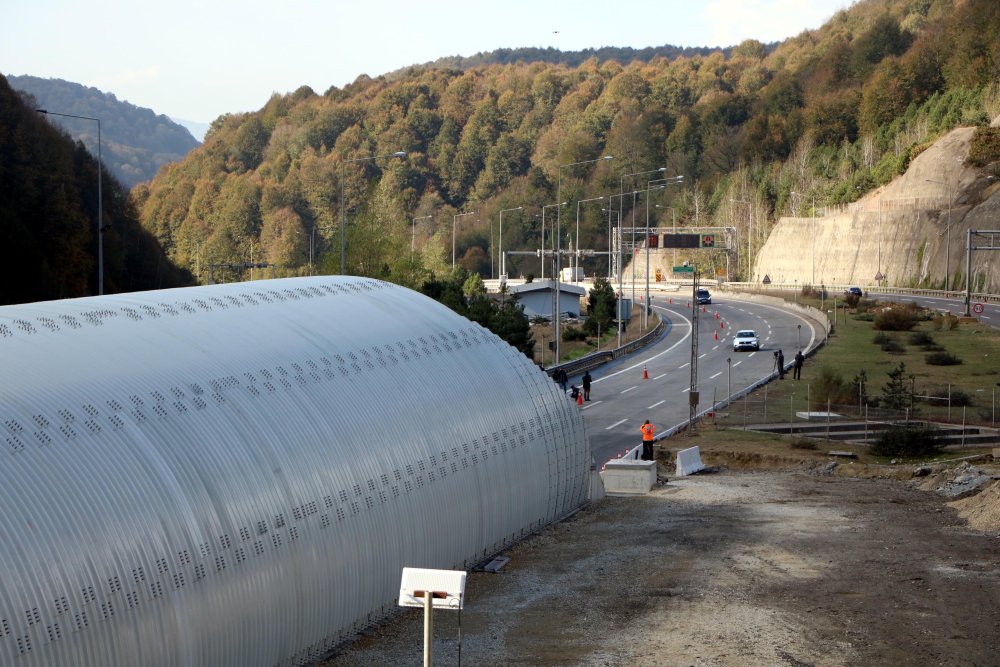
pixel 236 474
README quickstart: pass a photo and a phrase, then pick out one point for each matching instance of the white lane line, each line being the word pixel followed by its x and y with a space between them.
pixel 703 355
pixel 715 348
pixel 590 405
pixel 655 356
pixel 683 365
pixel 617 423
pixel 629 389
pixel 661 375
pixel 716 375
pixel 686 389
pixel 737 363
pixel 985 317
pixel 656 404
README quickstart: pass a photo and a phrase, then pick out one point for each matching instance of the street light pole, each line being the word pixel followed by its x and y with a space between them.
pixel 343 220
pixel 100 197
pixel 609 212
pixel 454 220
pixel 503 262
pixel 558 245
pixel 581 201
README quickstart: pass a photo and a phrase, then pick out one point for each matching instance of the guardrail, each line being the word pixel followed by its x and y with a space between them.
pixel 596 359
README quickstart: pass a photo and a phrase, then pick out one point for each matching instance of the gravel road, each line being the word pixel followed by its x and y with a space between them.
pixel 732 568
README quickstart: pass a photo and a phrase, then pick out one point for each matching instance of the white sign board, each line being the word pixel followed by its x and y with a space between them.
pixel 447 588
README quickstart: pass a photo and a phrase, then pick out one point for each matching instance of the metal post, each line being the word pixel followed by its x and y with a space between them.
pixel 503 258
pixel 428 629
pixel 968 273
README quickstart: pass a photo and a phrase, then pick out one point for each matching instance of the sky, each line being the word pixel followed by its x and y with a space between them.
pixel 198 60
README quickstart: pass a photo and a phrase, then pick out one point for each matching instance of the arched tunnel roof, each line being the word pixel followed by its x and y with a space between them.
pixel 236 474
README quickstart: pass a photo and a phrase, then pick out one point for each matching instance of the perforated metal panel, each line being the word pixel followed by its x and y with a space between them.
pixel 236 474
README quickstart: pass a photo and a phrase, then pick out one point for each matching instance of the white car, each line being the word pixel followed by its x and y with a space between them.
pixel 746 340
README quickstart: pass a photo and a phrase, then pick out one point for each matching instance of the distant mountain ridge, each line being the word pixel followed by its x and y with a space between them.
pixel 135 141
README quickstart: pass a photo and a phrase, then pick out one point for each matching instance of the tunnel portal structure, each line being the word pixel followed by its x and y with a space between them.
pixel 236 474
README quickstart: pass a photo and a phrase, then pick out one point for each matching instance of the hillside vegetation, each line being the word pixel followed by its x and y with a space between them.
pixel 48 217
pixel 135 142
pixel 827 115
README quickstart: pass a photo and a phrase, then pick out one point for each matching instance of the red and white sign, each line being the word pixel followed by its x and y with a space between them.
pixel 978 309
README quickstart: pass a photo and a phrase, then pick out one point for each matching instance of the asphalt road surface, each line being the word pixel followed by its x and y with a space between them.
pixel 621 400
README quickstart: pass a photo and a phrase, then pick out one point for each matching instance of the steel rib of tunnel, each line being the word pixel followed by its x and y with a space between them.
pixel 236 474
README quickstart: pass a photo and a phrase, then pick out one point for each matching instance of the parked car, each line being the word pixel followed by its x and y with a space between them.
pixel 704 296
pixel 746 339
pixel 854 291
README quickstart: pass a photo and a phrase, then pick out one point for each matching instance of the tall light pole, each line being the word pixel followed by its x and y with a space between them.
pixel 558 246
pixel 947 229
pixel 100 197
pixel 609 211
pixel 503 262
pixel 674 180
pixel 413 236
pixel 560 205
pixel 454 220
pixel 343 220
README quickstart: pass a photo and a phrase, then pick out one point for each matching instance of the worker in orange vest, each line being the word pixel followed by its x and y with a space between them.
pixel 647 440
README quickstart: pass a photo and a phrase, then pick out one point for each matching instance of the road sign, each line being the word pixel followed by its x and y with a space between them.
pixel 767 279
pixel 978 308
pixel 681 240
pixel 683 269
pixel 708 240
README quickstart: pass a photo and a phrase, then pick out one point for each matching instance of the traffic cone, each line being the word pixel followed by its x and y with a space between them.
pixel 687 305
pixel 716 314
pixel 703 309
pixel 579 398
pixel 670 300
pixel 722 325
pixel 645 375
pixel 716 335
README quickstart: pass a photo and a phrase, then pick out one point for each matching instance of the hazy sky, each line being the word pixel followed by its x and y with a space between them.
pixel 198 60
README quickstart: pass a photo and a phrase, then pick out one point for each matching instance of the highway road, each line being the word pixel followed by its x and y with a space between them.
pixel 956 306
pixel 621 399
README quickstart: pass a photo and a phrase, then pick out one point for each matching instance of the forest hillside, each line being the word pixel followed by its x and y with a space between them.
pixel 756 132
pixel 135 141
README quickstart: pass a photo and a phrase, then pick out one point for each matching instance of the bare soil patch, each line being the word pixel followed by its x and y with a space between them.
pixel 792 565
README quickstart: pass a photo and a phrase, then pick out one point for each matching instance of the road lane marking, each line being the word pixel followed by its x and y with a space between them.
pixel 617 423
pixel 737 363
pixel 684 364
pixel 686 389
pixel 716 375
pixel 630 389
pixel 592 404
pixel 703 355
pixel 661 375
pixel 656 404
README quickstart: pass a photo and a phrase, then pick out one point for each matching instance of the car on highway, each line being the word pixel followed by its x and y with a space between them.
pixel 746 339
pixel 704 297
pixel 854 291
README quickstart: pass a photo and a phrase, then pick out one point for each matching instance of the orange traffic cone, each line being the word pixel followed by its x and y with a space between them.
pixel 716 335
pixel 688 305
pixel 716 314
pixel 670 300
pixel 645 375
pixel 722 325
pixel 703 309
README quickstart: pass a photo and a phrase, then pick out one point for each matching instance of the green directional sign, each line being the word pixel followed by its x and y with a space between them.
pixel 683 269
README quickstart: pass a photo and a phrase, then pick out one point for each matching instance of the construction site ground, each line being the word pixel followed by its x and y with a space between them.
pixel 778 556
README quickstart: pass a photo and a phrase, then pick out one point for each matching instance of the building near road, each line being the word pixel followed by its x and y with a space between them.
pixel 536 297
pixel 236 474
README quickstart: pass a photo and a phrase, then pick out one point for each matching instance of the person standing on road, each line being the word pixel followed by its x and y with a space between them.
pixel 586 385
pixel 797 366
pixel 647 440
pixel 562 378
pixel 779 359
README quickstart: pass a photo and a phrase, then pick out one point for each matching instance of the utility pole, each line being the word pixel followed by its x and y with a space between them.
pixel 693 391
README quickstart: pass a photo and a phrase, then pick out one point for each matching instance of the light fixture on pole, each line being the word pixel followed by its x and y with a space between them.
pixel 609 211
pixel 100 197
pixel 556 263
pixel 503 262
pixel 343 217
pixel 454 220
pixel 413 236
pixel 561 204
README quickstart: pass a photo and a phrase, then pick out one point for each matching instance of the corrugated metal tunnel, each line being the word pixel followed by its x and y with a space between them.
pixel 236 474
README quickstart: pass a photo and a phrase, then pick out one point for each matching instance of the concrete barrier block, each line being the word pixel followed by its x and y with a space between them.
pixel 689 461
pixel 629 478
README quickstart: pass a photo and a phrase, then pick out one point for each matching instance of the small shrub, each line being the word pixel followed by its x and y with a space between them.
pixel 933 348
pixel 892 346
pixel 907 441
pixel 984 147
pixel 573 333
pixel 851 300
pixel 921 338
pixel 802 443
pixel 865 317
pixel 896 318
pixel 881 338
pixel 937 323
pixel 942 359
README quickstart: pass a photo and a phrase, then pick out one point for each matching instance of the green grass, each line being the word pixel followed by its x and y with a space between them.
pixel 850 349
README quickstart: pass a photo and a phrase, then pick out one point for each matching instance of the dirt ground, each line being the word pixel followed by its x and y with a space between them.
pixel 806 564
